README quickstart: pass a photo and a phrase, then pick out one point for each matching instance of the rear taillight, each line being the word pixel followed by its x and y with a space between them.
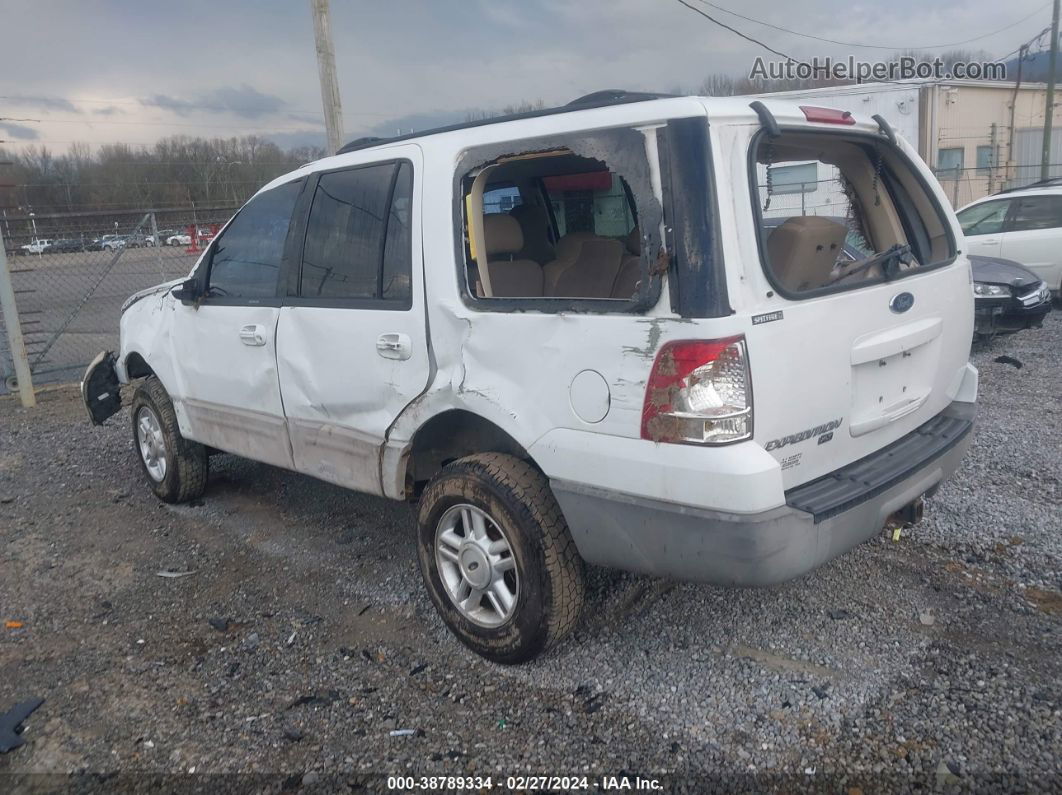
pixel 699 392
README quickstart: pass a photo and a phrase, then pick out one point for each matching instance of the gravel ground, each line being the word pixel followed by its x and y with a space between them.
pixel 302 635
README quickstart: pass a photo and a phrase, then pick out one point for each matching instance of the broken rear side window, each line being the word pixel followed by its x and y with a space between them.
pixel 842 211
pixel 564 219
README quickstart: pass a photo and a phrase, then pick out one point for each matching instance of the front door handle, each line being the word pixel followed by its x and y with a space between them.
pixel 394 346
pixel 253 335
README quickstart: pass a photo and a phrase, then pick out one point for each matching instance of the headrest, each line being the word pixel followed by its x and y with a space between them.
pixel 502 234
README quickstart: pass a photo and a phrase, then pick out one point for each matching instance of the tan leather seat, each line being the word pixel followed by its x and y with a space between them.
pixel 586 266
pixel 803 251
pixel 509 277
pixel 535 225
pixel 626 284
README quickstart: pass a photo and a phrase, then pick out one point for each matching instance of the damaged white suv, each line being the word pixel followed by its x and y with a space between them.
pixel 621 332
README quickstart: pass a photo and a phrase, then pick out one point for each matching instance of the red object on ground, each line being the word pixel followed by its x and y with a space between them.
pixel 193 242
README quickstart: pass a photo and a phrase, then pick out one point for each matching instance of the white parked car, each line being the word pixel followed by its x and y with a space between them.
pixel 36 246
pixel 619 366
pixel 1024 225
pixel 111 242
pixel 179 239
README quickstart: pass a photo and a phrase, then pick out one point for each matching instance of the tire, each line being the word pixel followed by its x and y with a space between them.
pixel 183 475
pixel 517 503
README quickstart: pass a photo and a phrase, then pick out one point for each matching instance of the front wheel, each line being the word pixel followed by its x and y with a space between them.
pixel 496 555
pixel 176 468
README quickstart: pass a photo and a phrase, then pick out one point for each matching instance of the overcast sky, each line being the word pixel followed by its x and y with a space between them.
pixel 102 70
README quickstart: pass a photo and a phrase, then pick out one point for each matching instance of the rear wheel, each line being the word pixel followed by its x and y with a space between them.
pixel 497 557
pixel 176 468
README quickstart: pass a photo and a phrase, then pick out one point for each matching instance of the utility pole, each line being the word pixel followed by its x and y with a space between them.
pixel 1049 113
pixel 326 69
pixel 14 333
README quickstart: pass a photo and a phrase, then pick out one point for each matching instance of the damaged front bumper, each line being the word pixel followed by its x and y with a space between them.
pixel 819 521
pixel 101 389
pixel 1004 315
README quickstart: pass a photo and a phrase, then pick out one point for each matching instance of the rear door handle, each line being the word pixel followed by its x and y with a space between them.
pixel 253 335
pixel 394 346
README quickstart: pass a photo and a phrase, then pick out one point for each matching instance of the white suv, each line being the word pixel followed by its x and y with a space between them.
pixel 569 337
pixel 1024 225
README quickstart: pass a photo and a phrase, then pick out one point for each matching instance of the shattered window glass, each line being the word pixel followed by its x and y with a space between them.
pixel 565 217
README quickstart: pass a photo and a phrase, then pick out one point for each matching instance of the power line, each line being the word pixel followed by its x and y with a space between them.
pixel 866 46
pixel 736 31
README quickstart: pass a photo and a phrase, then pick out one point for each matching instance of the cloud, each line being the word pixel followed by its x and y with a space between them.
pixel 244 101
pixel 20 131
pixel 44 103
pixel 109 110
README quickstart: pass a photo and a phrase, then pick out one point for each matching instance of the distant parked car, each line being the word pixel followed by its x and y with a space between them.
pixel 1024 225
pixel 1008 297
pixel 66 246
pixel 36 246
pixel 109 243
pixel 179 239
pixel 164 235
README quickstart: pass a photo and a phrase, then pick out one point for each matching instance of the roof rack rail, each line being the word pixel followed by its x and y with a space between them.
pixel 598 99
pixel 614 96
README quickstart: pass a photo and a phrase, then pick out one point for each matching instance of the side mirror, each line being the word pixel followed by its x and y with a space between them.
pixel 187 292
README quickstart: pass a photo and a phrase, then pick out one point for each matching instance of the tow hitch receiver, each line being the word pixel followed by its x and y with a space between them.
pixel 910 514
pixel 100 389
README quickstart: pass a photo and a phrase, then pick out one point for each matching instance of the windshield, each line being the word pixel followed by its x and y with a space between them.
pixel 842 211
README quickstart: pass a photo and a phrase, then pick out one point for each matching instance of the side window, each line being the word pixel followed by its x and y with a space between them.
pixel 1036 212
pixel 801 178
pixel 587 228
pixel 359 236
pixel 245 262
pixel 950 162
pixel 345 232
pixel 984 219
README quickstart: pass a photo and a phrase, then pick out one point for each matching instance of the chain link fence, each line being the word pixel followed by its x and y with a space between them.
pixel 71 276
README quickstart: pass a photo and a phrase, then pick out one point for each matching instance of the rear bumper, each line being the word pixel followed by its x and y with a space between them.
pixel 820 520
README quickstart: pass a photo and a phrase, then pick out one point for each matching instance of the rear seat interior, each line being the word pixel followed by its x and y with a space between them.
pixel 584 265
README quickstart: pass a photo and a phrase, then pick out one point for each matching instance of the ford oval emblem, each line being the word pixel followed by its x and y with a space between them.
pixel 901 302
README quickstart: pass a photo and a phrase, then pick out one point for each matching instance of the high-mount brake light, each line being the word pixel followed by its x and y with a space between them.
pixel 827 115
pixel 699 392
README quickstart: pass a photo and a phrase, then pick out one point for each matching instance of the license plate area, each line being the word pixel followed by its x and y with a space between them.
pixel 892 385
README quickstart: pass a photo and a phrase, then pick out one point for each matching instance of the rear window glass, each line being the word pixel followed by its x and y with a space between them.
pixel 838 212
